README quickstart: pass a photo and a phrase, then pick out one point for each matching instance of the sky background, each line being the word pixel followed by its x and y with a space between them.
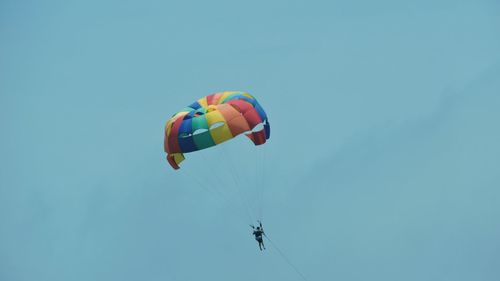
pixel 383 162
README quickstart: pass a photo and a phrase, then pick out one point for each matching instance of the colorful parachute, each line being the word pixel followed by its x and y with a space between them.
pixel 212 120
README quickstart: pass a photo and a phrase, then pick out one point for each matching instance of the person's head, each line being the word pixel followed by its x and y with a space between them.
pixel 258 227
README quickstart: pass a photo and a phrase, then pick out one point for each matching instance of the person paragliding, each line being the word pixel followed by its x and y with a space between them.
pixel 258 232
pixel 212 120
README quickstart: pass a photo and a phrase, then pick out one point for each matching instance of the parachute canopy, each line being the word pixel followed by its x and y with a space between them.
pixel 212 120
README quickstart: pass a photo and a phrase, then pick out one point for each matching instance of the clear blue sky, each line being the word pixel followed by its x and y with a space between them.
pixel 383 162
